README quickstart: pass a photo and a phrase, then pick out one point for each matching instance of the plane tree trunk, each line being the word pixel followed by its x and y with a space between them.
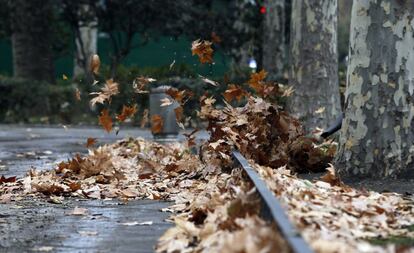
pixel 377 135
pixel 274 39
pixel 314 63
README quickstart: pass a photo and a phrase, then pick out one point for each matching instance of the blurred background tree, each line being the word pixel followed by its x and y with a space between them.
pixel 137 38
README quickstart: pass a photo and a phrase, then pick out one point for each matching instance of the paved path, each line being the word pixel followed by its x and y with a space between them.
pixel 31 226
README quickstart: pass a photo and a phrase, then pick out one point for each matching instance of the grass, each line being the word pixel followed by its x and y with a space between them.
pixel 397 240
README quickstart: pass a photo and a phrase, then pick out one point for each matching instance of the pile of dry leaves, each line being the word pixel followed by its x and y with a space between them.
pixel 265 134
pixel 333 217
pixel 213 211
pixel 215 208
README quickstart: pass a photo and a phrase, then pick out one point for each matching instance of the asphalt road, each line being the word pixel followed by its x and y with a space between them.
pixel 39 226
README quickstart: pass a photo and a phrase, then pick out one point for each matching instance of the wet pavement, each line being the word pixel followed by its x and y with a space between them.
pixel 39 226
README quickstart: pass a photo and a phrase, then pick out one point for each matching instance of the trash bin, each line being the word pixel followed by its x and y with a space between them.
pixel 170 128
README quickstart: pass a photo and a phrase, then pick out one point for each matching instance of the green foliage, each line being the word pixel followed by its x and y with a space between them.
pixel 128 74
pixel 29 101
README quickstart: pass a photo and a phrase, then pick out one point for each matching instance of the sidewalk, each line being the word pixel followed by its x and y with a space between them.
pixel 36 225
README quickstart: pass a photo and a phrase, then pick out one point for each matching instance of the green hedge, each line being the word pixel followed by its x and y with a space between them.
pixel 32 102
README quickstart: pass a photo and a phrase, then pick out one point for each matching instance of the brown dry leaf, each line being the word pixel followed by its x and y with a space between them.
pixel 331 177
pixel 95 64
pixel 127 112
pixel 234 92
pixel 191 138
pixel 90 142
pixel 128 193
pixel 157 124
pixel 179 113
pixel 105 120
pixel 179 96
pixel 48 188
pixel 145 118
pixel 110 89
pixel 77 94
pixel 74 186
pixel 4 179
pixel 202 48
pixel 257 79
pixel 140 83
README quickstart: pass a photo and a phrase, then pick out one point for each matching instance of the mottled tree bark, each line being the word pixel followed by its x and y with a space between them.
pixel 274 41
pixel 377 135
pixel 31 39
pixel 314 63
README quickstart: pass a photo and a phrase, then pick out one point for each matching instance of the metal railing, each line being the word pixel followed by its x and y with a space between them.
pixel 271 208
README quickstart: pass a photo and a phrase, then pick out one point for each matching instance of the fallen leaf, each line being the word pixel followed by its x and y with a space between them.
pixel 157 124
pixel 288 92
pixel 105 120
pixel 56 199
pixel 127 112
pixel 320 110
pixel 5 198
pixel 179 113
pixel 191 138
pixel 140 84
pixel 90 142
pixel 4 179
pixel 202 48
pixel 179 96
pixel 43 248
pixel 128 193
pixel 165 102
pixel 330 176
pixel 78 211
pixel 88 233
pixel 256 81
pixel 95 64
pixel 64 77
pixel 107 91
pixel 74 186
pixel 135 223
pixel 206 80
pixel 234 92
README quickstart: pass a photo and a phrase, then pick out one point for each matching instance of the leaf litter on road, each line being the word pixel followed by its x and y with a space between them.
pixel 215 207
